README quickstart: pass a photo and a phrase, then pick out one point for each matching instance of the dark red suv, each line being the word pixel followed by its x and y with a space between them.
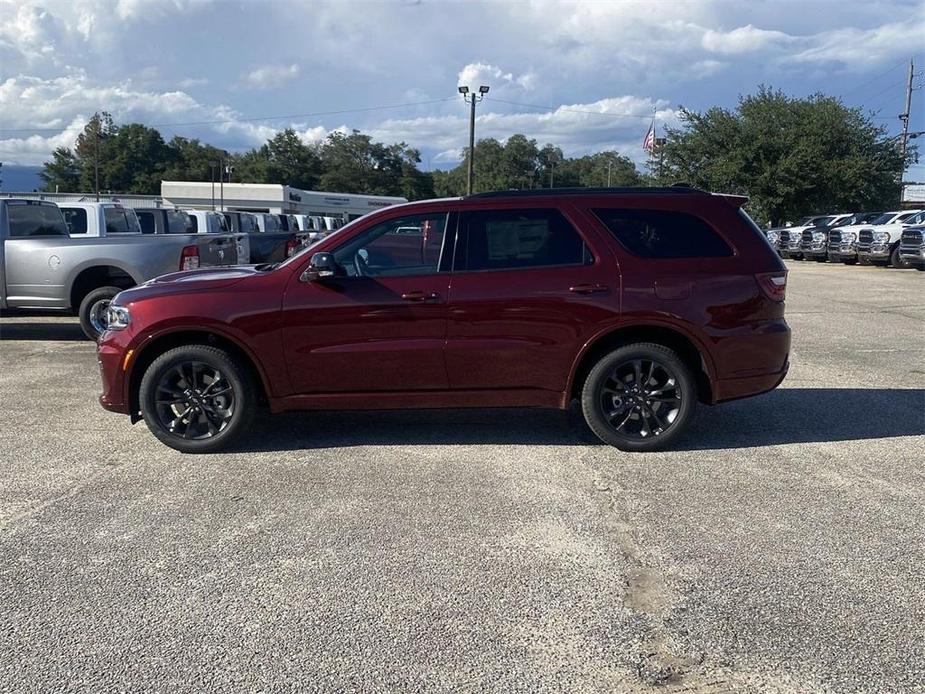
pixel 638 302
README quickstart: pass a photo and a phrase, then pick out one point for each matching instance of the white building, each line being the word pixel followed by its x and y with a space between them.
pixel 271 197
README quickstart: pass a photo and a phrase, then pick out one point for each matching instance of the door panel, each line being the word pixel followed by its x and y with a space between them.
pixel 380 324
pixel 522 327
pixel 366 334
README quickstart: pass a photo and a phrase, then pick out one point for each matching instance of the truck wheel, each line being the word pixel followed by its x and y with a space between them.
pixel 850 261
pixel 896 261
pixel 639 397
pixel 92 311
pixel 197 398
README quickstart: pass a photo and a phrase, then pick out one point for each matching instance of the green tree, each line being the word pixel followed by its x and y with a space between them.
pixel 62 173
pixel 91 149
pixel 291 162
pixel 191 160
pixel 792 156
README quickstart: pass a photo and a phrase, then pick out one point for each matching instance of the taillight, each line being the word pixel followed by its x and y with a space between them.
pixel 292 245
pixel 189 258
pixel 773 284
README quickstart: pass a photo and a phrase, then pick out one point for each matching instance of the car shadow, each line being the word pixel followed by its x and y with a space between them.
pixel 783 416
pixel 52 330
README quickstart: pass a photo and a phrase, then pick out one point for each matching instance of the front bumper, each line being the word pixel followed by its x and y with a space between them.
pixel 875 251
pixel 112 359
pixel 844 251
pixel 914 255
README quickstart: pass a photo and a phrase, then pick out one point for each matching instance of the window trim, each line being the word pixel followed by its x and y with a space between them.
pixel 592 259
pixel 734 251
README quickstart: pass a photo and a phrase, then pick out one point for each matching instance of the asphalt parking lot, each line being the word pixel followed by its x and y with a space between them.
pixel 782 549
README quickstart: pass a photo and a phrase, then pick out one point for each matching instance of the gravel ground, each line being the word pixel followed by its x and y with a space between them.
pixel 781 549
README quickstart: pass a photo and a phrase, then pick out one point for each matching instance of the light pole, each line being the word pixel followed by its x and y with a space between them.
pixel 472 99
pixel 212 166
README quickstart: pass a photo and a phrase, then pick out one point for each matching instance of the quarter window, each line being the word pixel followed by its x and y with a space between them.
pixel 511 239
pixel 661 234
pixel 399 247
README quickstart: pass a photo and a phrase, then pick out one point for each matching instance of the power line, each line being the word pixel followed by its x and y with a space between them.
pixel 253 119
pixel 872 79
pixel 574 110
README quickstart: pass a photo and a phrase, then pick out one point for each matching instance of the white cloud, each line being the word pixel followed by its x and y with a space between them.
pixel 747 39
pixel 475 75
pixel 271 76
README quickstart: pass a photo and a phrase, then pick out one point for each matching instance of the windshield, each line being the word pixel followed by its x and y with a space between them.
pixel 846 221
pixel 821 221
pixel 917 218
pixel 883 219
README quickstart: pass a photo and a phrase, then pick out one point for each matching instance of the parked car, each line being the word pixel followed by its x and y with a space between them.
pixel 41 266
pixel 791 237
pixel 878 244
pixel 912 243
pixel 814 241
pixel 99 219
pixel 842 245
pixel 640 302
pixel 164 220
pixel 228 250
pixel 276 238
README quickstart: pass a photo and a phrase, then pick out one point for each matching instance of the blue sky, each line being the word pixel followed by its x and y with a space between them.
pixel 585 76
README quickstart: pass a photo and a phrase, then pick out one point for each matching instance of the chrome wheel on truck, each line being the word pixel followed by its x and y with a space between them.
pixel 197 398
pixel 639 397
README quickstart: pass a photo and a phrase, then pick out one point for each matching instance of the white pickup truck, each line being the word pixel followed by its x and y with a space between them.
pixel 99 219
pixel 878 244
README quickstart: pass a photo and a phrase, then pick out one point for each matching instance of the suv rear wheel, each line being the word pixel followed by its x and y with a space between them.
pixel 639 397
pixel 197 399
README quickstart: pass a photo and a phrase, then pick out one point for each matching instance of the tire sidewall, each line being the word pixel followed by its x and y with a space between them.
pixel 236 375
pixel 590 398
pixel 83 311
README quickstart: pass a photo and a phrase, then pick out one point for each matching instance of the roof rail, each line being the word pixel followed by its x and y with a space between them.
pixel 675 189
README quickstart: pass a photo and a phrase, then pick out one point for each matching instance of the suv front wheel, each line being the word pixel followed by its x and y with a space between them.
pixel 639 397
pixel 197 398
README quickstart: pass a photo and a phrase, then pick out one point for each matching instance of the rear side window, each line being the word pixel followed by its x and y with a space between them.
pixel 178 222
pixel 194 223
pixel 511 239
pixel 661 234
pixel 36 219
pixel 116 221
pixel 76 220
pixel 146 219
pixel 248 223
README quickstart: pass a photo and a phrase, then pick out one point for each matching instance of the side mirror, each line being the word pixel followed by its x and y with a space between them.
pixel 322 266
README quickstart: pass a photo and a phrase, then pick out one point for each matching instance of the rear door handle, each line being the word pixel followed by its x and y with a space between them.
pixel 420 296
pixel 588 288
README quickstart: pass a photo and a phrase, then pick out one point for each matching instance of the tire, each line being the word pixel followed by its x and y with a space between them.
pixel 821 259
pixel 851 261
pixel 92 311
pixel 620 365
pixel 896 261
pixel 182 373
pixel 920 268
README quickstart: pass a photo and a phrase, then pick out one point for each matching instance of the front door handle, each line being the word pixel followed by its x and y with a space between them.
pixel 588 288
pixel 420 296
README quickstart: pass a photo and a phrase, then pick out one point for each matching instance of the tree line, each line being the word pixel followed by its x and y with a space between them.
pixel 791 156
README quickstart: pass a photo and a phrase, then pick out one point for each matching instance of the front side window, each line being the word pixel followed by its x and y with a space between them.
pixel 76 219
pixel 35 219
pixel 248 223
pixel 512 239
pixel 116 221
pixel 663 234
pixel 399 247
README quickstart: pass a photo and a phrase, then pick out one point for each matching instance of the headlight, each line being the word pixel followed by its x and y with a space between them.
pixel 818 236
pixel 848 237
pixel 881 237
pixel 774 236
pixel 117 317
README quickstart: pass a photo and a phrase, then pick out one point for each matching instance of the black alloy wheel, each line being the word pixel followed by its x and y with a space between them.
pixel 639 397
pixel 197 399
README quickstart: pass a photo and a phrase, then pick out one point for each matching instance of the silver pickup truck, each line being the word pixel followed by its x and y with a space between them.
pixel 41 266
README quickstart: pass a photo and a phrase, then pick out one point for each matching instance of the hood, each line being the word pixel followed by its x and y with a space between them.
pixel 214 276
pixel 189 281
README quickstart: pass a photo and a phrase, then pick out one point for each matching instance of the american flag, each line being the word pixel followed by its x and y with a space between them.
pixel 649 142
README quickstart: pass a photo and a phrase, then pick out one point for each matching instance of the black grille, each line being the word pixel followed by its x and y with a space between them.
pixel 865 238
pixel 834 238
pixel 912 238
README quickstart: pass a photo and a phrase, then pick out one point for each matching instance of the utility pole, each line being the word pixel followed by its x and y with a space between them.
pixel 609 166
pixel 221 178
pixel 212 173
pixel 904 116
pixel 96 161
pixel 472 99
